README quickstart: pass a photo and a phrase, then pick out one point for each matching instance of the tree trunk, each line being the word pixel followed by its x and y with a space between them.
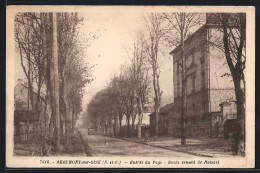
pixel 237 72
pixel 139 126
pixel 157 106
pixel 140 113
pixel 38 113
pixel 240 136
pixel 73 120
pixel 120 125
pixel 34 111
pixel 128 126
pixel 115 126
pixel 51 126
pixel 156 129
pixel 46 118
pixel 56 83
pixel 67 113
pixel 133 125
pixel 183 116
pixel 183 96
pixel 68 137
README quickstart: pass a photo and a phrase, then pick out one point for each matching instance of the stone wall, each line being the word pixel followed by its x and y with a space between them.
pixel 198 121
pixel 218 96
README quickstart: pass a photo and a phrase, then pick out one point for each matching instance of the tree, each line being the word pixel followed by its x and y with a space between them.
pixel 181 24
pixel 51 56
pixel 156 32
pixel 141 81
pixel 115 101
pixel 70 68
pixel 119 97
pixel 100 110
pixel 128 94
pixel 55 82
pixel 28 27
pixel 233 44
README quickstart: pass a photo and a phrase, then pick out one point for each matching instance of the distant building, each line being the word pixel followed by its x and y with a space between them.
pixel 206 87
pixel 224 121
pixel 23 112
pixel 164 117
pixel 145 122
pixel 145 118
pixel 22 97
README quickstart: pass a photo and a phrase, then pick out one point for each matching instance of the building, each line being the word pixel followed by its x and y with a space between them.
pixel 24 117
pixel 22 98
pixel 145 120
pixel 206 85
pixel 163 123
pixel 224 121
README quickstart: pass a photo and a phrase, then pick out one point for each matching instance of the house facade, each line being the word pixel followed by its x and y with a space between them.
pixel 224 121
pixel 24 116
pixel 206 85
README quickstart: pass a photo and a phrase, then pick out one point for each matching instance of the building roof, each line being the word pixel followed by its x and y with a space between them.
pixel 33 90
pixel 225 104
pixel 165 110
pixel 211 21
pixel 177 48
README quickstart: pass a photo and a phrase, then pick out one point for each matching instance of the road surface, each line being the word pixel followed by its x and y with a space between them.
pixel 97 145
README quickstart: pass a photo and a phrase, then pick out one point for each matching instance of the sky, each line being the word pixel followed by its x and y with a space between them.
pixel 109 36
pixel 116 36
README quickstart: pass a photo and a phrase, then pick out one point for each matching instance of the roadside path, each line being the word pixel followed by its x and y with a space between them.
pixel 96 145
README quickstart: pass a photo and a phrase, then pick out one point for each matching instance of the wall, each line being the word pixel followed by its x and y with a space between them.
pixel 223 122
pixel 203 100
pixel 198 119
pixel 218 63
pixel 21 94
pixel 174 124
pixel 218 96
pixel 196 63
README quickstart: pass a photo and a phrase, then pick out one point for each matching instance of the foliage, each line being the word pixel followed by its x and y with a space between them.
pixel 34 39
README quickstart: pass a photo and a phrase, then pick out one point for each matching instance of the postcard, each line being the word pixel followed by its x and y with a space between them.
pixel 130 87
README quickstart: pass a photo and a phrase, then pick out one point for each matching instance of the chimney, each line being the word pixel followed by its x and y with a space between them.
pixel 25 83
pixel 212 18
pixel 19 80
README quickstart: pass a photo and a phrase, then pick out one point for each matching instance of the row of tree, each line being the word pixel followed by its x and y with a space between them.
pixel 127 92
pixel 161 32
pixel 126 95
pixel 51 56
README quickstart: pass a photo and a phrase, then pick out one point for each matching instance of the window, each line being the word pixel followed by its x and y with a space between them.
pixel 203 106
pixel 178 87
pixel 202 60
pixel 193 111
pixel 193 58
pixel 178 67
pixel 193 83
pixel 202 80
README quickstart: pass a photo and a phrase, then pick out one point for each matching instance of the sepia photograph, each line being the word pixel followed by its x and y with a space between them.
pixel 130 87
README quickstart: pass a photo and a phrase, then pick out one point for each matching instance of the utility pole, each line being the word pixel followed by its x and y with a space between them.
pixel 56 80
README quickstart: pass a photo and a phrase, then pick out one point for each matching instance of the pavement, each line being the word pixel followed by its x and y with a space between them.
pixel 29 148
pixel 98 145
pixel 205 147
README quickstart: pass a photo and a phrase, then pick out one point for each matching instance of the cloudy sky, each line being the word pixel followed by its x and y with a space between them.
pixel 113 34
pixel 116 34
